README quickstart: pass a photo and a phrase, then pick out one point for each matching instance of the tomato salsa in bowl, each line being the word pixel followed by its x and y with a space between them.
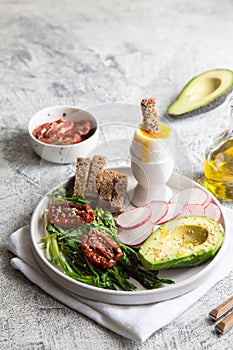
pixel 60 134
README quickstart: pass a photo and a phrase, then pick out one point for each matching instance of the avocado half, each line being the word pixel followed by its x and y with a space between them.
pixel 203 93
pixel 183 242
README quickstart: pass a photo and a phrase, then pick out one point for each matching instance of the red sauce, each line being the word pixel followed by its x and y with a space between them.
pixel 63 132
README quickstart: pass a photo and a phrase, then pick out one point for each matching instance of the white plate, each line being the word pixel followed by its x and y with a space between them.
pixel 185 279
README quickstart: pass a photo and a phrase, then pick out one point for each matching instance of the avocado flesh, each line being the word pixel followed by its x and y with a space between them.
pixel 183 242
pixel 203 93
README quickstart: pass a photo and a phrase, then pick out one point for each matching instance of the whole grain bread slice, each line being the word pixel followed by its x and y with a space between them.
pixel 119 192
pixel 95 176
pixel 150 115
pixel 81 175
pixel 106 188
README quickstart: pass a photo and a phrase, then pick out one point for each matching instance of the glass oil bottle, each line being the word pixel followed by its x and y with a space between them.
pixel 218 163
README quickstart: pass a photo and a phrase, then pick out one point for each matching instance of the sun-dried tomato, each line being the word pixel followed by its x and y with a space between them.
pixel 100 250
pixel 63 132
pixel 52 132
pixel 70 139
pixel 83 127
pixel 70 215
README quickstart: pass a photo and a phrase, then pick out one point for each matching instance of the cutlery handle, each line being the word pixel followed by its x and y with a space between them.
pixel 225 324
pixel 221 309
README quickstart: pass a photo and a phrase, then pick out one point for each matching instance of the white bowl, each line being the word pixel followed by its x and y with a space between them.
pixel 62 154
pixel 186 279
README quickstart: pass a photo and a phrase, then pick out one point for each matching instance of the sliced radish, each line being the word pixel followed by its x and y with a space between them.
pixel 134 218
pixel 192 195
pixel 213 211
pixel 144 238
pixel 173 212
pixel 159 210
pixel 194 209
pixel 135 237
pixel 207 202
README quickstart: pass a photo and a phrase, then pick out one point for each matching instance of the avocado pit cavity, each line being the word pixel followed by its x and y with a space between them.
pixel 203 90
pixel 191 235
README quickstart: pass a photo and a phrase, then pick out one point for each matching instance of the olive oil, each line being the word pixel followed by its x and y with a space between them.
pixel 218 165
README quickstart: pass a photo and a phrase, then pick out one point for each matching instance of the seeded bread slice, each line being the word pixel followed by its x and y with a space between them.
pixel 150 115
pixel 81 175
pixel 119 192
pixel 95 176
pixel 106 188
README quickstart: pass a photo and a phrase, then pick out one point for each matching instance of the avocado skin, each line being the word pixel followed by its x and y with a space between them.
pixel 188 261
pixel 206 108
pixel 209 105
pixel 191 260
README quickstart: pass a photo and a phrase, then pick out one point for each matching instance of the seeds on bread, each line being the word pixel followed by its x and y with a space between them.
pixel 95 176
pixel 107 188
pixel 81 175
pixel 119 192
pixel 150 115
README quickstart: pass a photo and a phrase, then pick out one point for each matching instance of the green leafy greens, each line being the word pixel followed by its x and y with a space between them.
pixel 64 249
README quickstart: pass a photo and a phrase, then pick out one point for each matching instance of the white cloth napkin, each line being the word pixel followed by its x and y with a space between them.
pixel 124 320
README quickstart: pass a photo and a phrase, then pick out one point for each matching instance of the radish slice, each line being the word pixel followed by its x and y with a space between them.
pixel 192 195
pixel 144 238
pixel 194 209
pixel 159 210
pixel 207 202
pixel 135 237
pixel 213 212
pixel 173 212
pixel 134 218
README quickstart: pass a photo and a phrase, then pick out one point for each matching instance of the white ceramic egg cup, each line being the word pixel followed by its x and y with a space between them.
pixel 151 176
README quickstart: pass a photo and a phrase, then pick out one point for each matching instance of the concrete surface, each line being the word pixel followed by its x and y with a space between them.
pixel 89 53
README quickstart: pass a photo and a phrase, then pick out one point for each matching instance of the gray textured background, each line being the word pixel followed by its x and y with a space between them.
pixel 89 53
